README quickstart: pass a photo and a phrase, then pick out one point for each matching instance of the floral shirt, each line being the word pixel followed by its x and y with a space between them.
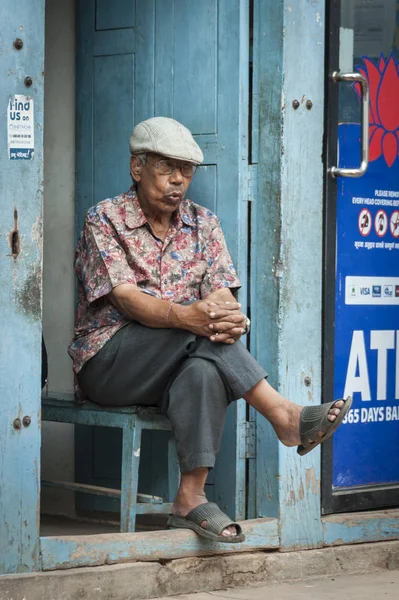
pixel 117 246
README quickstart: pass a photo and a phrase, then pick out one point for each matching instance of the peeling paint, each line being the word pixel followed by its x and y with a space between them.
pixel 36 231
pixel 301 492
pixel 29 294
pixel 311 480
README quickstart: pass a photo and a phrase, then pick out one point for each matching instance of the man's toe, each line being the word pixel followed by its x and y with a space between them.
pixel 229 531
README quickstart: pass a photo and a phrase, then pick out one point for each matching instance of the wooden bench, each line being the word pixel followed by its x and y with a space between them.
pixel 132 420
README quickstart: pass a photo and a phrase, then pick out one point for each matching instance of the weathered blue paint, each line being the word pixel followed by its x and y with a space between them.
pixel 287 250
pixel 232 208
pixel 299 268
pixel 353 528
pixel 195 69
pixel 265 239
pixel 131 449
pixel 81 551
pixel 20 295
pixel 61 407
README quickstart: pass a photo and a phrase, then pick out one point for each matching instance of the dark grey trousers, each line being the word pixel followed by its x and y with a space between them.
pixel 189 377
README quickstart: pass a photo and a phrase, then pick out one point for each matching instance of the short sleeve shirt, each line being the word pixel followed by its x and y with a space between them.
pixel 118 246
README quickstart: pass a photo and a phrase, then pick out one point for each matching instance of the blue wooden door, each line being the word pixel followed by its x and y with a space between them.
pixel 187 60
pixel 21 183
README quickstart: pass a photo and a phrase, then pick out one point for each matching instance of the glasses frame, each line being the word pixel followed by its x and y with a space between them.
pixel 144 158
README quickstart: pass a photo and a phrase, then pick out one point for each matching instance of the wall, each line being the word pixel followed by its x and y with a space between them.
pixel 59 236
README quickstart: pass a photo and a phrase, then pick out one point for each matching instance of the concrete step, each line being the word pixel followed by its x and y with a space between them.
pixel 291 573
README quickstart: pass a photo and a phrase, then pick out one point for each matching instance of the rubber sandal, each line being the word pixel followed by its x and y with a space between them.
pixel 217 521
pixel 315 419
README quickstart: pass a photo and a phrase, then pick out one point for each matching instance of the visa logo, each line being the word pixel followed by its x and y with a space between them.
pixel 365 291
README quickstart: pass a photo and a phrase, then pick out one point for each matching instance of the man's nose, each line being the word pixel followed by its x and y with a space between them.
pixel 176 176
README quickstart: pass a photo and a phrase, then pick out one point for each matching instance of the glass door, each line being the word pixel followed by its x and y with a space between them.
pixel 361 316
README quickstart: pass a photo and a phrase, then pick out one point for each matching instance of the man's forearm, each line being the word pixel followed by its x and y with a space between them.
pixel 146 309
pixel 200 317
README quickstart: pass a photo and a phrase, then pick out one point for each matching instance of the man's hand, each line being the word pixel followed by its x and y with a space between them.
pixel 226 328
pixel 219 321
pixel 218 317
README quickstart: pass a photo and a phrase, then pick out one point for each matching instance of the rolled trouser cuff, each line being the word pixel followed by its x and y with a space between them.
pixel 195 461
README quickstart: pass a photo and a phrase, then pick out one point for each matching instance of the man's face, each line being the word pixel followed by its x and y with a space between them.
pixel 157 191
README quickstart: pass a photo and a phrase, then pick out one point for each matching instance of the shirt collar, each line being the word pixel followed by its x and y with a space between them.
pixel 136 218
pixel 134 215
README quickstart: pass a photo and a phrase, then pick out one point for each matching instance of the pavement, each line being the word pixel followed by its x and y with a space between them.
pixel 374 586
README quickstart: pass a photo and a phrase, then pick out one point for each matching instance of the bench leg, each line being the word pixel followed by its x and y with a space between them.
pixel 173 469
pixel 130 476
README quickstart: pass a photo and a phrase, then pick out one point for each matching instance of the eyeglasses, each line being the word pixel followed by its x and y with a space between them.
pixel 166 166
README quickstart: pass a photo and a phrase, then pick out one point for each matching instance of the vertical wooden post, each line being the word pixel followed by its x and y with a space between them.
pixel 288 225
pixel 301 256
pixel 21 177
pixel 131 450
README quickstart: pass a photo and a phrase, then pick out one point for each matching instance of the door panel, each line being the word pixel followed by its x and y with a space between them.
pixel 117 14
pixel 186 60
pixel 113 77
pixel 362 316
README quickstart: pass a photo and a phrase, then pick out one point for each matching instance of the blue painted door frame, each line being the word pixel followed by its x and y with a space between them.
pixel 20 289
pixel 286 278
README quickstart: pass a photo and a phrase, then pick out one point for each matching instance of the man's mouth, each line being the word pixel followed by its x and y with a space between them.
pixel 174 196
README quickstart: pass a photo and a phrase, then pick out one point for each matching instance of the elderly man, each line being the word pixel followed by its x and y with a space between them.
pixel 158 322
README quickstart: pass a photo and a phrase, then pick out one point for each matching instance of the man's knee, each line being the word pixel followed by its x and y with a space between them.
pixel 199 370
pixel 199 378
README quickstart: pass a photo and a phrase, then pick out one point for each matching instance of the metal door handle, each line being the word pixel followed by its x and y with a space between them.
pixel 356 78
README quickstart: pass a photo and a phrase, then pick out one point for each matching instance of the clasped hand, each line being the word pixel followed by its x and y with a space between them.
pixel 219 321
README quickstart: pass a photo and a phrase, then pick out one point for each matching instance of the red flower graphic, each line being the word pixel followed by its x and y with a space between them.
pixel 383 80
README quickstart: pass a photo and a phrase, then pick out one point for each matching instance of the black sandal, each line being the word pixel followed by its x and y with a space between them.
pixel 315 419
pixel 217 522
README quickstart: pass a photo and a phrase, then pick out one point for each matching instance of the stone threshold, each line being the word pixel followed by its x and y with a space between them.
pixel 144 580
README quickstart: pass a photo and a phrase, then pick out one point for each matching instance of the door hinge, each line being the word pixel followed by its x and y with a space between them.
pixel 250 439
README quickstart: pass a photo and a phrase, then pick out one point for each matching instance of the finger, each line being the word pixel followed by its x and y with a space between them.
pixel 220 337
pixel 238 318
pixel 225 326
pixel 219 314
pixel 229 305
pixel 234 334
pixel 222 309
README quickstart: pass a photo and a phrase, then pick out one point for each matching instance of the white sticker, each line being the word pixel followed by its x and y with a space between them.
pixel 20 128
pixel 371 290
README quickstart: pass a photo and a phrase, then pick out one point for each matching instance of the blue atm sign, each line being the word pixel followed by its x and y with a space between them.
pixel 366 362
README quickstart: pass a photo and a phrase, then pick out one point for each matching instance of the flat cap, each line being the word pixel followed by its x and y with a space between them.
pixel 165 136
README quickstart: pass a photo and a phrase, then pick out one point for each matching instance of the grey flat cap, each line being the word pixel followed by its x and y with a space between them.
pixel 165 136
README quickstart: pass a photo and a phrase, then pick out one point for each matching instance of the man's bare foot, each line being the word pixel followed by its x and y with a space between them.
pixel 284 415
pixel 185 502
pixel 286 418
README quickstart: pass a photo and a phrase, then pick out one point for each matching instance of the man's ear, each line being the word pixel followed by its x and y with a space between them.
pixel 135 168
